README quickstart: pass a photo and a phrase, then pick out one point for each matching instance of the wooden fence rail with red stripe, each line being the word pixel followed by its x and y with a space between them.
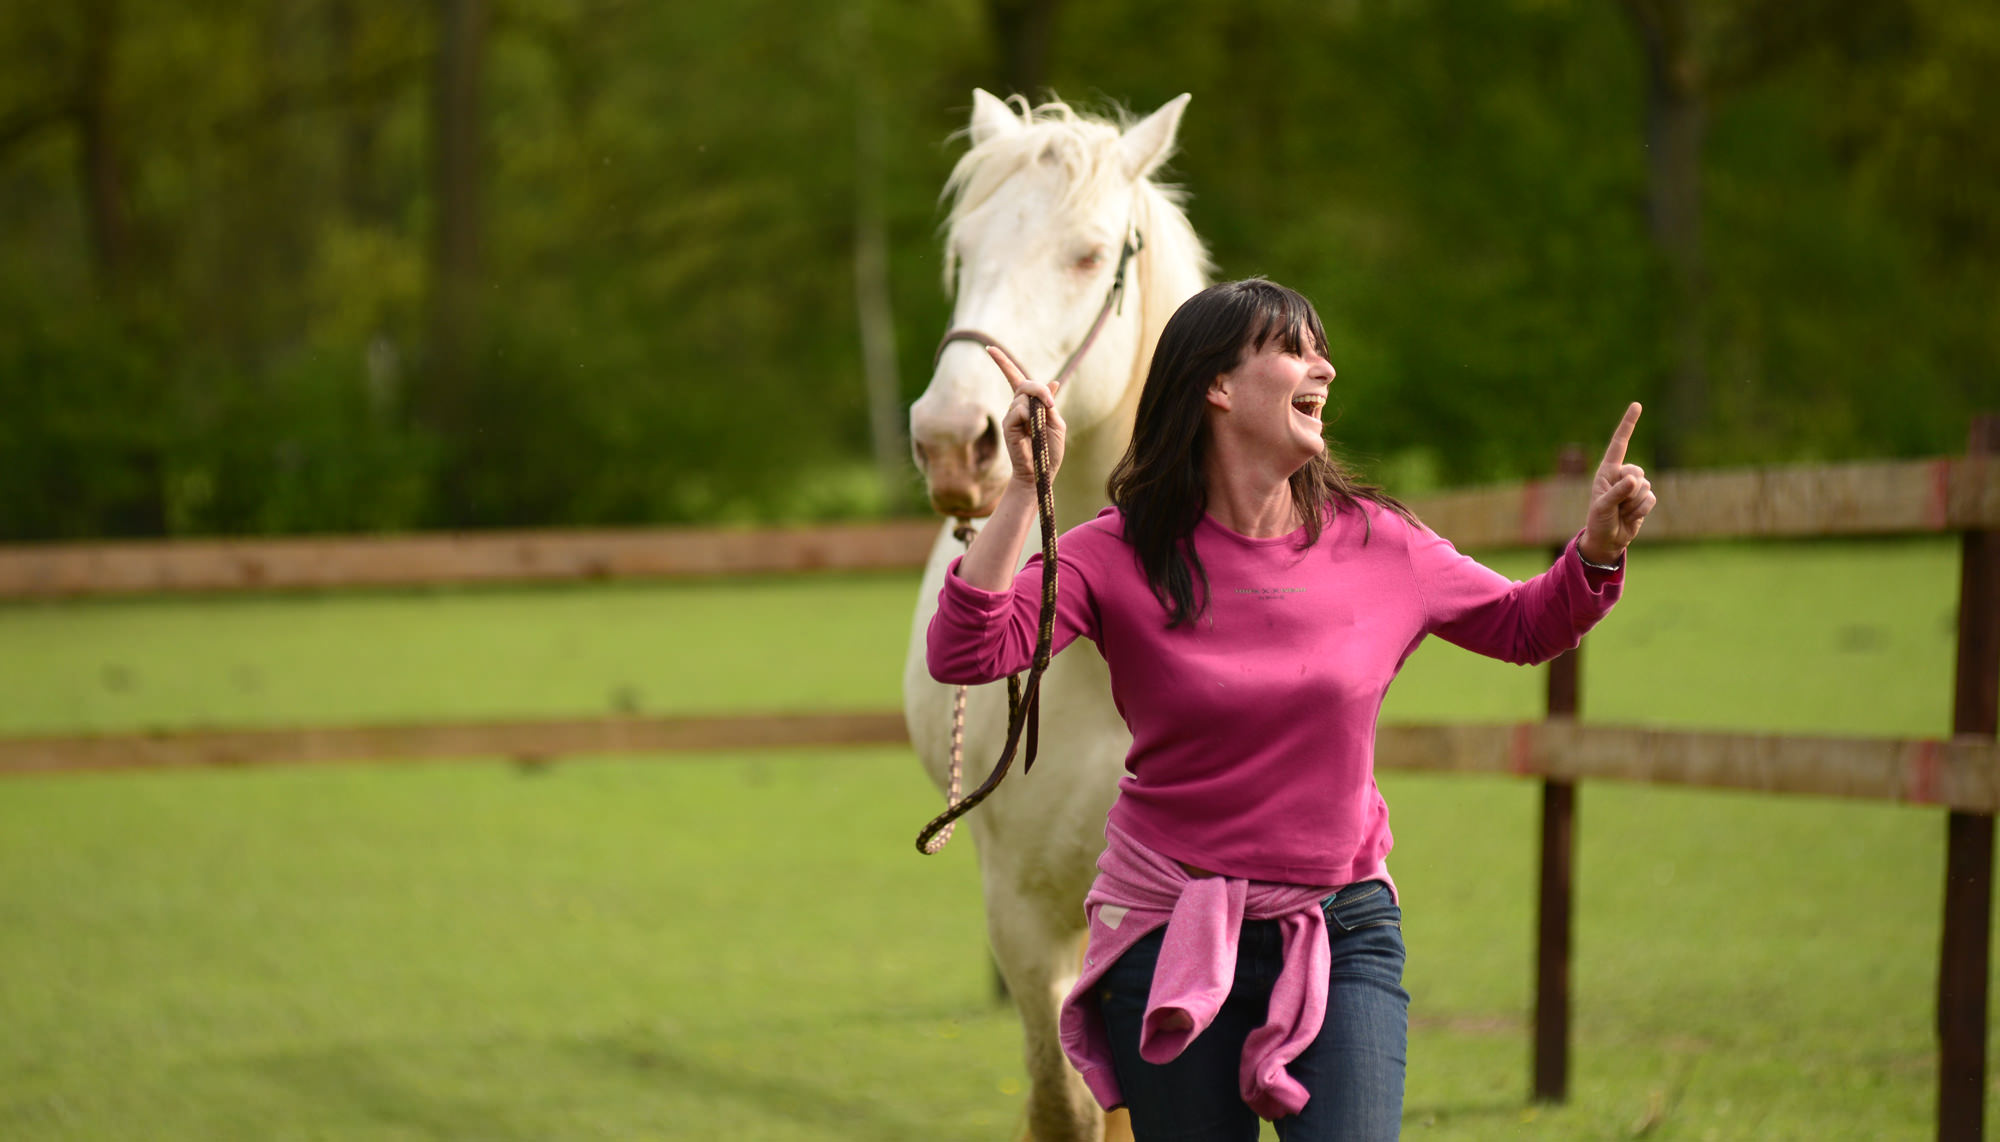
pixel 1961 774
pixel 54 570
pixel 531 740
pixel 1895 498
pixel 1952 773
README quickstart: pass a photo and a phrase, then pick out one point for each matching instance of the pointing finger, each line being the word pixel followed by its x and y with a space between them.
pixel 1614 456
pixel 1016 377
pixel 1007 366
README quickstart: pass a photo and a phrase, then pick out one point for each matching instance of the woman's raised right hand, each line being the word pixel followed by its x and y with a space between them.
pixel 1014 427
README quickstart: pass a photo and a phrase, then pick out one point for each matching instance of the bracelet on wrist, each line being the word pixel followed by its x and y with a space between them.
pixel 1596 566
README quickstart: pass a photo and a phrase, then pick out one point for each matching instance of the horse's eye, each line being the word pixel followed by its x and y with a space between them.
pixel 1091 260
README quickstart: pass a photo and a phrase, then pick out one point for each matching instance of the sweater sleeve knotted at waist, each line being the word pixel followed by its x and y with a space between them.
pixel 1139 890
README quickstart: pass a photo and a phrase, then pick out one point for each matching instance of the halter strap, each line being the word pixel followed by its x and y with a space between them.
pixel 1114 299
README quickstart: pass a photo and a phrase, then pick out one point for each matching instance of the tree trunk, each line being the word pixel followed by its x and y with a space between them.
pixel 137 506
pixel 455 260
pixel 873 310
pixel 358 117
pixel 1022 29
pixel 99 172
pixel 1675 118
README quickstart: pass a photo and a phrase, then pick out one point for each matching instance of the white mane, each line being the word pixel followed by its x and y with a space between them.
pixel 1086 146
pixel 1173 266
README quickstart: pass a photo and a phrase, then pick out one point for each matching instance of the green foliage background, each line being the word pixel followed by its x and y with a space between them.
pixel 668 218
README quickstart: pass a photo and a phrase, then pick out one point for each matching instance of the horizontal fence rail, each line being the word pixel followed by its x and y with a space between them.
pixel 519 739
pixel 1957 774
pixel 1893 498
pixel 1791 502
pixel 334 562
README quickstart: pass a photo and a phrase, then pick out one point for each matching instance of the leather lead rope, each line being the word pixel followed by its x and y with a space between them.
pixel 964 533
pixel 1023 698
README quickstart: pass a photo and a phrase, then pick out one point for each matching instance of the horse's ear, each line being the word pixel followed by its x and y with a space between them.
pixel 1151 140
pixel 990 117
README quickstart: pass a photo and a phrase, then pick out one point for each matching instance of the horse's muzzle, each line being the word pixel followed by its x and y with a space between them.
pixel 962 475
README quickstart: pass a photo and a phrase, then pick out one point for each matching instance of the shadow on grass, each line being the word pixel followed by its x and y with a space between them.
pixel 787 1096
pixel 512 1091
pixel 522 1087
pixel 385 1086
pixel 1448 1113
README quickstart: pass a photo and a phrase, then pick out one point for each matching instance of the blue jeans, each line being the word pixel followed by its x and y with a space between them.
pixel 1353 1069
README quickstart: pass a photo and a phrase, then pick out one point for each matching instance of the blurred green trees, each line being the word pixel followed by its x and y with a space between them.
pixel 261 270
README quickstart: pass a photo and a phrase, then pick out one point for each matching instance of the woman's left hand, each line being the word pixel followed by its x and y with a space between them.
pixel 1620 497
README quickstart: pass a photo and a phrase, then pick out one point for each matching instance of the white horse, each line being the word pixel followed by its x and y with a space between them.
pixel 1041 208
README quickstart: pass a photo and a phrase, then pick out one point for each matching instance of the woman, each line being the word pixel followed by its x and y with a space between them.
pixel 1253 603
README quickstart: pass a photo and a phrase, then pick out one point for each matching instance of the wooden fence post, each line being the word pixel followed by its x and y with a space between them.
pixel 1968 878
pixel 1552 929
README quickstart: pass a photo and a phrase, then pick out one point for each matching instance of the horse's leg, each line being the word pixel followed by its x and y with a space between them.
pixel 1039 959
pixel 1117 1123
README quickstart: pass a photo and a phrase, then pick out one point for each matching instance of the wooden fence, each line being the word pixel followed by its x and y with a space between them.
pixel 1960 775
pixel 55 571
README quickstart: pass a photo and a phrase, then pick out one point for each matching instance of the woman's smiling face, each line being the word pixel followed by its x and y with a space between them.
pixel 1273 398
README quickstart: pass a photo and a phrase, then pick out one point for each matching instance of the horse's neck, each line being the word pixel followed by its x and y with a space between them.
pixel 1172 268
pixel 1088 457
pixel 1087 464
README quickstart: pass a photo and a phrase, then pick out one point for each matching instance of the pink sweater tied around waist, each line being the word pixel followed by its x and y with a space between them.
pixel 1138 890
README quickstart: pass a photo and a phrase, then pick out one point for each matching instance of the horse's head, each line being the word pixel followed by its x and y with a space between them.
pixel 1042 207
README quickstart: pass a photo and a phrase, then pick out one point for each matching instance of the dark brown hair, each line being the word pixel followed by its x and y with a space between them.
pixel 1158 485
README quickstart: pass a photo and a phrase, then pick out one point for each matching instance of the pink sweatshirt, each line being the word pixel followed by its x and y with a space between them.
pixel 1253 728
pixel 1138 890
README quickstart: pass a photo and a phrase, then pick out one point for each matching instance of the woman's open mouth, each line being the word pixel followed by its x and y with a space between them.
pixel 1309 404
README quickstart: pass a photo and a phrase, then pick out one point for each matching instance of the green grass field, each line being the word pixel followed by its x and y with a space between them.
pixel 746 946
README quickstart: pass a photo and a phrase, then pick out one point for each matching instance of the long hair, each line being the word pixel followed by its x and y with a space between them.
pixel 1158 484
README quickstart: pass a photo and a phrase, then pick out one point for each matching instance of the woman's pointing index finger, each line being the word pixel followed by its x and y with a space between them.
pixel 1621 437
pixel 1015 377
